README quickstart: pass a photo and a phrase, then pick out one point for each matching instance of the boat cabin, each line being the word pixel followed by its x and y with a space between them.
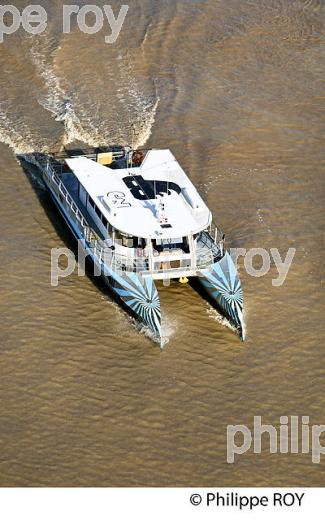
pixel 142 205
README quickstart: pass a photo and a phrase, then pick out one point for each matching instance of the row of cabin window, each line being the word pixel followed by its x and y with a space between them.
pixel 126 241
pixel 99 214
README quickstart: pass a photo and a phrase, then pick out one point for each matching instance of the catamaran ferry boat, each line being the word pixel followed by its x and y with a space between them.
pixel 140 219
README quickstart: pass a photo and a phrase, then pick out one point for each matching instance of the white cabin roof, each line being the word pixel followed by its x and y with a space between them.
pixel 133 204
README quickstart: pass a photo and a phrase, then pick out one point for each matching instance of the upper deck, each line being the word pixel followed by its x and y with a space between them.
pixel 154 200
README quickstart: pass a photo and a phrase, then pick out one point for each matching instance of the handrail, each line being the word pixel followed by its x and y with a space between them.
pixel 90 153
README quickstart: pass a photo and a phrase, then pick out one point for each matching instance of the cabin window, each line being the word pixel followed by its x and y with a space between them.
pixel 161 245
pixel 140 243
pixel 99 214
pixel 104 221
pixel 82 194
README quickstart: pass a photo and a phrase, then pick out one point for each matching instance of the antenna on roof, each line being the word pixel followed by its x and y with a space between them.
pixel 130 154
pixel 133 135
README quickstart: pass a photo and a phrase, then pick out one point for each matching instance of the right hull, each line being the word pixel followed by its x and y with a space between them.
pixel 222 285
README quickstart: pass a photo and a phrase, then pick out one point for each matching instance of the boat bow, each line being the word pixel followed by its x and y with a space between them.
pixel 222 285
pixel 139 294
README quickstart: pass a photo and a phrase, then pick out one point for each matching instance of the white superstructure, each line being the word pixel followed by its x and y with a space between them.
pixel 156 200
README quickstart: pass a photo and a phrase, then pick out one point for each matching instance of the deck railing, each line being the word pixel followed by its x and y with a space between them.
pixel 146 262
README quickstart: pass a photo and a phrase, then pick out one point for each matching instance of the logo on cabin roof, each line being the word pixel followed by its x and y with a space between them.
pixel 118 199
pixel 144 189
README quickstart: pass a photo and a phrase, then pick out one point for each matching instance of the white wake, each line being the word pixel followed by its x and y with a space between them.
pixel 137 110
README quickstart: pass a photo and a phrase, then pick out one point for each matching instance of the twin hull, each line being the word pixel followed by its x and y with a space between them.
pixel 138 293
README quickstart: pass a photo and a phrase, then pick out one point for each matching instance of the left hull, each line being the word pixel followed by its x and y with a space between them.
pixel 138 295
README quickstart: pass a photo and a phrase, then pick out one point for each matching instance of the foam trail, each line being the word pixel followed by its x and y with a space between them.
pixel 145 130
pixel 9 136
pixel 76 132
pixel 137 112
pixel 15 134
pixel 168 327
pixel 133 123
pixel 214 314
pixel 57 101
pixel 141 109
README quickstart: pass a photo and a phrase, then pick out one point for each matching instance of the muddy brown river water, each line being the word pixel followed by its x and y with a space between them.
pixel 235 88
